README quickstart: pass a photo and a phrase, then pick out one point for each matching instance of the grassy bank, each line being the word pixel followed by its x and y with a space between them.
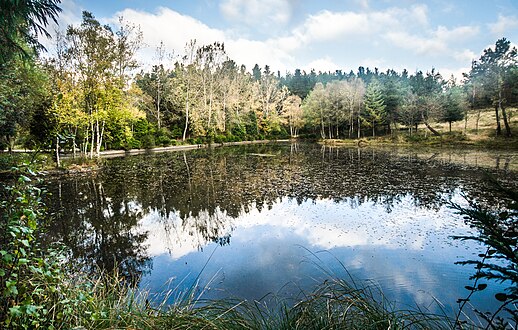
pixel 80 302
pixel 476 132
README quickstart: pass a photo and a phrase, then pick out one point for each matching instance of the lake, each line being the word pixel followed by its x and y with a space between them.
pixel 275 219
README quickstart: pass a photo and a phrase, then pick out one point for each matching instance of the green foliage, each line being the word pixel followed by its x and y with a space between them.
pixel 23 94
pixel 20 24
pixel 29 275
pixel 454 104
pixel 494 79
pixel 374 113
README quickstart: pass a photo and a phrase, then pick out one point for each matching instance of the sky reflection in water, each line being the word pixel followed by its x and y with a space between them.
pixel 291 246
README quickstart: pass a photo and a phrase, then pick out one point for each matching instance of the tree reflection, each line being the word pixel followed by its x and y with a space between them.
pixel 98 223
pixel 199 193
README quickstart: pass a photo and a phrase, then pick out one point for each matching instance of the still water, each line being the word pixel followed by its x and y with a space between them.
pixel 277 219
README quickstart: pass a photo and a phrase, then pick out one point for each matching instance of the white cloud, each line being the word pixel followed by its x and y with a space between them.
pixel 440 42
pixel 253 12
pixel 456 34
pixel 171 27
pixel 250 52
pixel 323 64
pixel 419 45
pixel 456 73
pixel 329 26
pixel 465 55
pixel 339 225
pixel 364 4
pixel 420 13
pixel 503 25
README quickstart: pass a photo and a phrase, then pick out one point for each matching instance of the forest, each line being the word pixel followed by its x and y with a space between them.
pixel 94 95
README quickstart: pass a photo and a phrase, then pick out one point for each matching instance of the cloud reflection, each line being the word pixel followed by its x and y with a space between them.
pixel 323 223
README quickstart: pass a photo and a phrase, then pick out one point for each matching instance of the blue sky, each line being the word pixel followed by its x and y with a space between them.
pixel 322 35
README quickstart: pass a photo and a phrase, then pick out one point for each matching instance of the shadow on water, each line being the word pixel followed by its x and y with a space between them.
pixel 190 201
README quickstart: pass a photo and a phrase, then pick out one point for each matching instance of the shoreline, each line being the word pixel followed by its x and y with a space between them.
pixel 131 152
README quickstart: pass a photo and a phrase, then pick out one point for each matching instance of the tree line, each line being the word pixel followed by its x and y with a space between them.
pixel 93 95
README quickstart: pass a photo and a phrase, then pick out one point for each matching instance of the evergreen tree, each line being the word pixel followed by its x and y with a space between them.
pixel 21 22
pixel 454 104
pixel 374 113
pixel 256 72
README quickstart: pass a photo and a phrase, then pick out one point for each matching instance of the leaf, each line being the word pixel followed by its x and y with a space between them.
pixel 30 309
pixel 7 258
pixel 11 288
pixel 501 297
pixel 15 311
pixel 24 178
pixel 470 288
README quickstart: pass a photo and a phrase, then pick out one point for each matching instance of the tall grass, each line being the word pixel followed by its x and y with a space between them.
pixel 107 302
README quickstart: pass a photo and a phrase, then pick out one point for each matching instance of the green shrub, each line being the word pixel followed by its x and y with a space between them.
pixel 148 141
pixel 31 276
pixel 163 140
pixel 220 138
pixel 239 131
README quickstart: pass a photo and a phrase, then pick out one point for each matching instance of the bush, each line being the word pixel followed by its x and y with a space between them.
pixel 132 143
pixel 238 131
pixel 30 275
pixel 148 141
pixel 163 140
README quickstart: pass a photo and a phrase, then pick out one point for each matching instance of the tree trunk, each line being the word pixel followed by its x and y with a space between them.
pixel 58 163
pixel 506 121
pixel 434 132
pixel 322 128
pixel 92 144
pixel 186 114
pixel 158 106
pixel 359 127
pixel 74 143
pixel 497 114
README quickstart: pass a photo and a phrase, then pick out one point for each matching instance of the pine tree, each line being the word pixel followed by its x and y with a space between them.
pixel 374 113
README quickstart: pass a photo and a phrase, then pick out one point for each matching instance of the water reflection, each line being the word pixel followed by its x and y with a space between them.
pixel 100 225
pixel 381 213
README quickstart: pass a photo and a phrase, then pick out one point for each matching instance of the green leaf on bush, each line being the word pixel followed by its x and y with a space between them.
pixel 15 311
pixel 30 309
pixel 11 287
pixel 24 178
pixel 7 258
